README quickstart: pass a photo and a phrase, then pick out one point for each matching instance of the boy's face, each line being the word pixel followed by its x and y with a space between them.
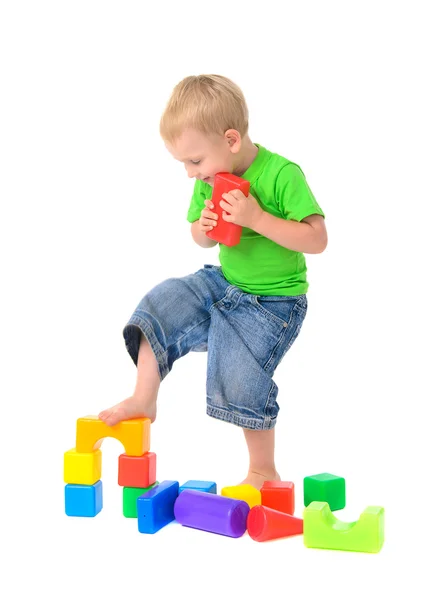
pixel 204 156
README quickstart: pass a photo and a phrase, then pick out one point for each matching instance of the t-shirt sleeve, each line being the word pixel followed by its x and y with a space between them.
pixel 294 196
pixel 197 202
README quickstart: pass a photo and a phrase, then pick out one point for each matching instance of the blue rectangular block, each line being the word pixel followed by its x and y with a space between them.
pixel 156 507
pixel 200 486
pixel 83 500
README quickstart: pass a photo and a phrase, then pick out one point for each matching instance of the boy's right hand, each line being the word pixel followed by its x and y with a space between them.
pixel 208 219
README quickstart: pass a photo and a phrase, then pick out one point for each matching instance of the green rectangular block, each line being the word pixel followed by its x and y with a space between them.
pixel 130 496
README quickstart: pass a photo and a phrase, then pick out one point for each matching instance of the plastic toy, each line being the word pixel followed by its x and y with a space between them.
pixel 83 500
pixel 212 513
pixel 137 471
pixel 266 514
pixel 84 468
pixel 225 232
pixel 278 495
pixel 245 492
pixel 134 434
pixel 321 529
pixel 130 496
pixel 155 507
pixel 83 464
pixel 265 523
pixel 325 488
pixel 201 486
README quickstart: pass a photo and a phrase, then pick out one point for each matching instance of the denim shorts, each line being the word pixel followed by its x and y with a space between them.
pixel 245 337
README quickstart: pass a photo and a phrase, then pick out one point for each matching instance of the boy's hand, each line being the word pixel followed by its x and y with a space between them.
pixel 244 211
pixel 208 219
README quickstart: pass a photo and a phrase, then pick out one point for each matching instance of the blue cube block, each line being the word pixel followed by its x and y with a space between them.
pixel 200 486
pixel 83 500
pixel 156 507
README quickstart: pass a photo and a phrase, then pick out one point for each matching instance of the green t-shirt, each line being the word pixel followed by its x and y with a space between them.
pixel 257 265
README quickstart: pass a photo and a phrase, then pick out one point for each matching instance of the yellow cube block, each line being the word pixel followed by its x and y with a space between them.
pixel 84 468
pixel 134 434
pixel 245 492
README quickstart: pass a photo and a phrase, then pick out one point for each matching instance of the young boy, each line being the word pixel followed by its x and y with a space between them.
pixel 246 313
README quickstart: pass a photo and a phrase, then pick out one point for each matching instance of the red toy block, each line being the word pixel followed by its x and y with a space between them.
pixel 225 232
pixel 137 471
pixel 265 523
pixel 278 495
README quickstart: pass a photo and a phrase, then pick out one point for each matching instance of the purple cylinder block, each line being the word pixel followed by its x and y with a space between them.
pixel 211 512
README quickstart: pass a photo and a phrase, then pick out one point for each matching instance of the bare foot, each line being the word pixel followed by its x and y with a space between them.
pixel 131 408
pixel 258 479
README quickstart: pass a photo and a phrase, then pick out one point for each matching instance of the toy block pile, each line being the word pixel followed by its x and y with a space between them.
pixel 265 515
pixel 83 465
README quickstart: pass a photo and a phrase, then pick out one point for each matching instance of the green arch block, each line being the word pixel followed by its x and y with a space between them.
pixel 321 529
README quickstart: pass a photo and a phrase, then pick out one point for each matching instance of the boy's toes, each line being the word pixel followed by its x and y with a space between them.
pixel 103 416
pixel 109 416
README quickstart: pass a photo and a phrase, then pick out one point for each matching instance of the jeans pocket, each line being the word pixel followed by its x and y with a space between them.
pixel 276 308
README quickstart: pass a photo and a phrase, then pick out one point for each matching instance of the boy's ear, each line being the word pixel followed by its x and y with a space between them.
pixel 233 140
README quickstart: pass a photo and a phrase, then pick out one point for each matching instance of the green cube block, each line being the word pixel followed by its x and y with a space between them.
pixel 325 488
pixel 130 496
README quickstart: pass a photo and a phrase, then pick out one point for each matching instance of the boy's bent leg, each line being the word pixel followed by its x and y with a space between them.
pixel 143 403
pixel 261 447
pixel 170 321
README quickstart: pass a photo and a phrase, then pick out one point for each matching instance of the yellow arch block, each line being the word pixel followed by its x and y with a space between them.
pixel 321 529
pixel 245 492
pixel 134 434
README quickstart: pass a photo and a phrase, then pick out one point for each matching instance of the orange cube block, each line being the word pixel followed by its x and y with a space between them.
pixel 278 495
pixel 137 471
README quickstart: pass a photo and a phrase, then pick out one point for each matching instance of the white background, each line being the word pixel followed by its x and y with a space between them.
pixel 93 214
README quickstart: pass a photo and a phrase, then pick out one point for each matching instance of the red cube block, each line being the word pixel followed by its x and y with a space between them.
pixel 137 471
pixel 278 495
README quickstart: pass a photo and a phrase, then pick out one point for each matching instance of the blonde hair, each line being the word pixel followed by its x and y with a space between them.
pixel 207 103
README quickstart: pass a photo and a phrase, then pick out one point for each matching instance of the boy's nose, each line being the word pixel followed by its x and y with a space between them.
pixel 191 172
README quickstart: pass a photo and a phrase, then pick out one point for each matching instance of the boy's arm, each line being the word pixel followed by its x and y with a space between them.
pixel 200 237
pixel 308 236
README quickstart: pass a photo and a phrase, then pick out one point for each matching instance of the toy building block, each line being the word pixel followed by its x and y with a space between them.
pixel 201 486
pixel 137 471
pixel 321 529
pixel 265 523
pixel 130 496
pixel 278 495
pixel 245 492
pixel 225 232
pixel 211 512
pixel 325 488
pixel 83 500
pixel 155 507
pixel 134 434
pixel 84 468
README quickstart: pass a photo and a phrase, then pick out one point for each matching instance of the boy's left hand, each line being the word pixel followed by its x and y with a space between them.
pixel 244 211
